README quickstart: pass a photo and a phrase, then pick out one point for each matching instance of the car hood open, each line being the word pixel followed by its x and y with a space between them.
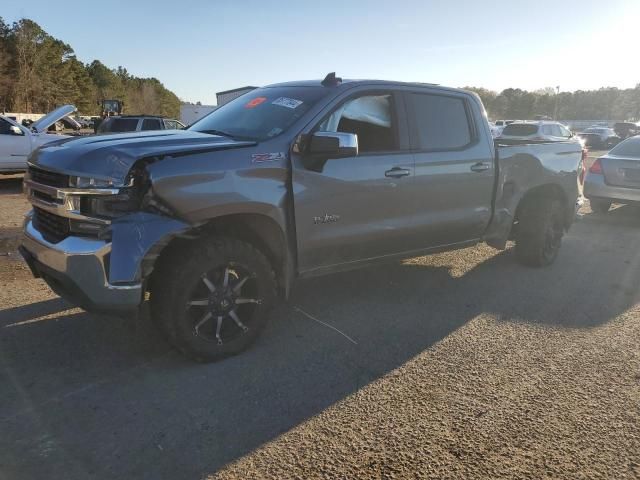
pixel 52 117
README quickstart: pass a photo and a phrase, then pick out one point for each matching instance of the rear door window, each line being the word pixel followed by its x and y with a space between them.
pixel 440 122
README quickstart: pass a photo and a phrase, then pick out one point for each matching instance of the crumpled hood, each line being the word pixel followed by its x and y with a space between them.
pixel 110 157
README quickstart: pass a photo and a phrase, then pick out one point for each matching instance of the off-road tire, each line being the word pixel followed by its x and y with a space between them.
pixel 539 232
pixel 176 277
pixel 599 205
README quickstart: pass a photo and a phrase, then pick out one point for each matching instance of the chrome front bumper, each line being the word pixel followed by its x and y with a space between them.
pixel 76 268
pixel 595 187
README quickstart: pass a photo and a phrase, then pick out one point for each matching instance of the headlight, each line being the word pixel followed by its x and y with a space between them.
pixel 88 182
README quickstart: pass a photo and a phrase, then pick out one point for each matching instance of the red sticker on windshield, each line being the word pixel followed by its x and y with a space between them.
pixel 255 102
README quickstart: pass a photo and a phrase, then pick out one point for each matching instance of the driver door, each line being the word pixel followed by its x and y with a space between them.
pixel 356 209
pixel 14 149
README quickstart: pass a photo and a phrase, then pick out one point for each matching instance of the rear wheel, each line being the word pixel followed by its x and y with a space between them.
pixel 540 231
pixel 212 300
pixel 600 205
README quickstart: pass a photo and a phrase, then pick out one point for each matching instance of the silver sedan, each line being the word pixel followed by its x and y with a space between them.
pixel 615 177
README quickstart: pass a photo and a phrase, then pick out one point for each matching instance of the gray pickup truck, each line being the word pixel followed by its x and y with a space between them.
pixel 212 224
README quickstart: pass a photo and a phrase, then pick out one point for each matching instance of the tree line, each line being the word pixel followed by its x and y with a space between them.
pixel 603 104
pixel 39 72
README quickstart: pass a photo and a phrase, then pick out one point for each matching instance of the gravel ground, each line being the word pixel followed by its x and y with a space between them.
pixel 465 365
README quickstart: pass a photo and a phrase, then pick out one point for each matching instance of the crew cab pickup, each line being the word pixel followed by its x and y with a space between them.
pixel 212 224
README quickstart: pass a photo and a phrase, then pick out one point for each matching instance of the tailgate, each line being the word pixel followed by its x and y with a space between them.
pixel 621 172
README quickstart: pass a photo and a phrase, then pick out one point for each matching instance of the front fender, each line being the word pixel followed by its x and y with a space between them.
pixel 133 236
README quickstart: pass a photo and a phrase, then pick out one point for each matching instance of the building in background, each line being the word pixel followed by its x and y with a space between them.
pixel 228 95
pixel 190 112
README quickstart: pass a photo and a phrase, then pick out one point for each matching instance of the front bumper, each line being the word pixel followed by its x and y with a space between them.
pixel 76 268
pixel 596 187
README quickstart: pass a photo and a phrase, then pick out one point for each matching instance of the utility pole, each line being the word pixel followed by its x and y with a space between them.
pixel 555 112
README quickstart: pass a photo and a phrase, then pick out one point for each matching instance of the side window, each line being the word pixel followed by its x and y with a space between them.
pixel 441 122
pixel 370 118
pixel 4 127
pixel 170 124
pixel 151 124
pixel 547 130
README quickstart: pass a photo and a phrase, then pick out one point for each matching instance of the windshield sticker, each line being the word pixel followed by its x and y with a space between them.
pixel 274 131
pixel 267 157
pixel 255 102
pixel 287 102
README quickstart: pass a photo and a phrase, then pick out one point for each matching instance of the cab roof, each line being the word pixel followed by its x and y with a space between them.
pixel 350 83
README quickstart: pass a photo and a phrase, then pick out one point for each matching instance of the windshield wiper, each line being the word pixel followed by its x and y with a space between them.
pixel 228 135
pixel 218 132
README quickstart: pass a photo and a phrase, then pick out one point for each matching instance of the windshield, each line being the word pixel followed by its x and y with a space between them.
pixel 261 114
pixel 118 125
pixel 520 129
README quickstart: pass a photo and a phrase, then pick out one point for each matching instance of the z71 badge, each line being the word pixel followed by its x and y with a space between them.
pixel 326 218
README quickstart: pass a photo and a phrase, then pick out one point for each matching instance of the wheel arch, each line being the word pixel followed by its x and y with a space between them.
pixel 260 230
pixel 548 190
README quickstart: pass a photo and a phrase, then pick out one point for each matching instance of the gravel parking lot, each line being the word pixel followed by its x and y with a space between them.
pixel 458 365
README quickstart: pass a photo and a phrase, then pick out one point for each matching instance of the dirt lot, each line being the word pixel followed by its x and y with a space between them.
pixel 461 365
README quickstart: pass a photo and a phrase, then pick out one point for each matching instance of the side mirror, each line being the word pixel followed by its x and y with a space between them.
pixel 333 145
pixel 16 131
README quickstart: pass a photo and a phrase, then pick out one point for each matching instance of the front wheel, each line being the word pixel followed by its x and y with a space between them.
pixel 212 300
pixel 539 233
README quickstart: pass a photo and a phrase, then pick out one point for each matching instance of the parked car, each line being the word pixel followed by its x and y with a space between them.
pixel 541 131
pixel 503 123
pixel 137 123
pixel 626 129
pixel 17 141
pixel 599 137
pixel 615 177
pixel 289 181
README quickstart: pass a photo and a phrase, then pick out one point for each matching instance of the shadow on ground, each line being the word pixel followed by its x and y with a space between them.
pixel 95 396
pixel 10 184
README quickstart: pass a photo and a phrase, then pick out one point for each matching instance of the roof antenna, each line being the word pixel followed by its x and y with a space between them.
pixel 331 80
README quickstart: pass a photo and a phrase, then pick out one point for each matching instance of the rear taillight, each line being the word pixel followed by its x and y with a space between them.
pixel 596 167
pixel 583 165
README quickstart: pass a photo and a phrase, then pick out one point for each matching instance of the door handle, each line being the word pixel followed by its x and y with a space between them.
pixel 397 172
pixel 480 167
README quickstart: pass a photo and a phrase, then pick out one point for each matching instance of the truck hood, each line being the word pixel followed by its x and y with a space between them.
pixel 110 157
pixel 52 117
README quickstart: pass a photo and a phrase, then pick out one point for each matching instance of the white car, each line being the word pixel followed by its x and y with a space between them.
pixel 17 142
pixel 542 131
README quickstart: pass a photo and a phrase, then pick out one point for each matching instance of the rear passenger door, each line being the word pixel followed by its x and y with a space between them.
pixel 454 167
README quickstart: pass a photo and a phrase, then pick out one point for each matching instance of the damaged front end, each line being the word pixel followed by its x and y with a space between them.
pixel 89 238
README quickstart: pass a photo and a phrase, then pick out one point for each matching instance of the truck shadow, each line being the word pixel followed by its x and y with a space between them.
pixel 140 410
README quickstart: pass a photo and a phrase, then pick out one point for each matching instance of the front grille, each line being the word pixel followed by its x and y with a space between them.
pixel 48 178
pixel 53 228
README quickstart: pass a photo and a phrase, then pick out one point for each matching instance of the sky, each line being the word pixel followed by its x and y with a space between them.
pixel 198 47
